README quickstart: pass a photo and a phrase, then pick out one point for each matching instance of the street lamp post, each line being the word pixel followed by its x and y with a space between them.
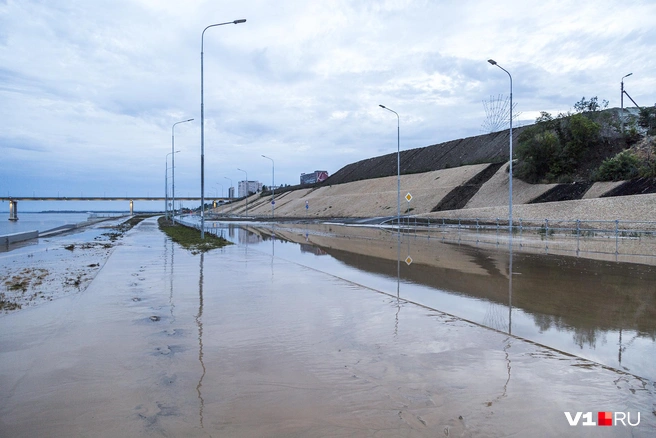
pixel 510 171
pixel 202 129
pixel 273 176
pixel 247 189
pixel 218 183
pixel 166 184
pixel 398 168
pixel 229 187
pixel 622 100
pixel 173 166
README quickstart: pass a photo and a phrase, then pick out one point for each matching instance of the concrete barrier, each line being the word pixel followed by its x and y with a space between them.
pixel 57 230
pixel 18 237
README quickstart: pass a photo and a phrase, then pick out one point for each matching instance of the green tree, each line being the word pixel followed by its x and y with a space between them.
pixel 591 105
pixel 582 134
pixel 537 151
pixel 554 147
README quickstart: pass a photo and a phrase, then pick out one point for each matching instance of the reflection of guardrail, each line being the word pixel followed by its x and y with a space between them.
pixel 598 236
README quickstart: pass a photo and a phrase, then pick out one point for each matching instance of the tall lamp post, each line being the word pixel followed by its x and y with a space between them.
pixel 229 187
pixel 173 165
pixel 510 171
pixel 622 100
pixel 398 168
pixel 247 189
pixel 166 184
pixel 202 129
pixel 219 184
pixel 273 177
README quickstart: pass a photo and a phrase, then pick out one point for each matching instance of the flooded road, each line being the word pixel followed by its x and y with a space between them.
pixel 270 338
pixel 601 310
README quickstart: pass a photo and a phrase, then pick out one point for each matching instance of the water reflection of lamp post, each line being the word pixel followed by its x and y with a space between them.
pixel 199 324
pixel 202 129
pixel 510 274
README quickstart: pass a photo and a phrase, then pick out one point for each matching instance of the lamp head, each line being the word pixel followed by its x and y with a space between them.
pixel 382 106
pixel 492 61
pixel 189 120
pixel 242 20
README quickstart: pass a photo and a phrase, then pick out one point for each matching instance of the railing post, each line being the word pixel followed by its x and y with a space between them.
pixel 458 230
pixel 578 235
pixel 477 230
pixel 497 231
pixel 616 236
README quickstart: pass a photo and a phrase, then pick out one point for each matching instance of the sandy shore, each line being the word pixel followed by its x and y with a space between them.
pixel 236 342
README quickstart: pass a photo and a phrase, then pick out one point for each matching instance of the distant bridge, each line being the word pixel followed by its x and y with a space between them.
pixel 13 200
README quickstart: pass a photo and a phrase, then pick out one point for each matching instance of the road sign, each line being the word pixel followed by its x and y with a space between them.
pixel 408 197
pixel 307 205
pixel 273 202
pixel 408 260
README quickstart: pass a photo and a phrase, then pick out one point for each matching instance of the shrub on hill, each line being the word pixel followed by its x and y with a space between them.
pixel 556 149
pixel 622 166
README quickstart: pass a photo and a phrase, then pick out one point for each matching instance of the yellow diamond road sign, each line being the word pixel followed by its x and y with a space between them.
pixel 408 197
pixel 408 260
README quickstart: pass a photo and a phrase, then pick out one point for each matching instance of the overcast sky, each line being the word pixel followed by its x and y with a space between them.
pixel 89 90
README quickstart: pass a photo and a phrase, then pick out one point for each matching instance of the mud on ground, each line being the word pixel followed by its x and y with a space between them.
pixel 56 266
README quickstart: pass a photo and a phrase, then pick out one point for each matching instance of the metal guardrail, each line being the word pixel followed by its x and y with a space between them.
pixel 634 238
pixel 565 236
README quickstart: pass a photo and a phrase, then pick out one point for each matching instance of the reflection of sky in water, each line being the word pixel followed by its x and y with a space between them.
pixel 602 346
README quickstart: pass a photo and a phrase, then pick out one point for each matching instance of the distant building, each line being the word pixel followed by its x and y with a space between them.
pixel 231 192
pixel 314 177
pixel 244 188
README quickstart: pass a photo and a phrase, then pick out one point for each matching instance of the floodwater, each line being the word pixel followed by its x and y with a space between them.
pixel 600 310
pixel 39 221
pixel 254 340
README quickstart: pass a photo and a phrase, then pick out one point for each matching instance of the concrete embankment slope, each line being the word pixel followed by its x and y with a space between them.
pixel 366 198
pixel 378 198
pixel 444 184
